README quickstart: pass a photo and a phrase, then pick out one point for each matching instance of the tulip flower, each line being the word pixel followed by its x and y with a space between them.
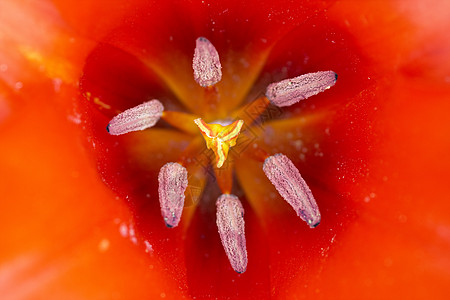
pixel 81 214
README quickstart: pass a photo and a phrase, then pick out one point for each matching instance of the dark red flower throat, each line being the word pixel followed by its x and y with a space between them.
pixel 127 70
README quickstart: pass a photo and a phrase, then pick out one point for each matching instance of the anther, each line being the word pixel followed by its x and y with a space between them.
pixel 136 118
pixel 291 91
pixel 289 183
pixel 172 185
pixel 231 226
pixel 206 63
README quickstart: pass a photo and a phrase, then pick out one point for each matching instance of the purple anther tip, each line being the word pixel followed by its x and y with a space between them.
pixel 140 117
pixel 289 183
pixel 231 226
pixel 291 91
pixel 172 185
pixel 206 63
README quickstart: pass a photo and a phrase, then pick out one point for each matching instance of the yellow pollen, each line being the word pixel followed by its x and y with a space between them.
pixel 220 138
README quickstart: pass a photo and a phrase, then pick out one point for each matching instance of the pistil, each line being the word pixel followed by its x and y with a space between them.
pixel 220 138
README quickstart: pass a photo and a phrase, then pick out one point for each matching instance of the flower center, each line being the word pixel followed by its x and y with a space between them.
pixel 279 169
pixel 220 138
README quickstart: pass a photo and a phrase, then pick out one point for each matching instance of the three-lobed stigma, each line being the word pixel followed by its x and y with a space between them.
pixel 220 138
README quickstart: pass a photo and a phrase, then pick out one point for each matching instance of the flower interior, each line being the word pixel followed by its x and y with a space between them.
pixel 250 85
pixel 279 169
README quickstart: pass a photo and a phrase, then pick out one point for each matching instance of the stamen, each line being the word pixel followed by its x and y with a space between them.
pixel 206 63
pixel 192 154
pixel 224 177
pixel 251 112
pixel 289 183
pixel 181 120
pixel 291 91
pixel 220 138
pixel 140 117
pixel 172 185
pixel 231 225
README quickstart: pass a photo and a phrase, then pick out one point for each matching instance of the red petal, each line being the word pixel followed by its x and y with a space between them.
pixel 390 235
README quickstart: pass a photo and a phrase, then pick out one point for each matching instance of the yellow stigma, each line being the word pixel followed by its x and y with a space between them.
pixel 220 138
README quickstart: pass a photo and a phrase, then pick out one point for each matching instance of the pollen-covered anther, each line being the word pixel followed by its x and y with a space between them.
pixel 206 63
pixel 220 138
pixel 291 91
pixel 289 183
pixel 231 226
pixel 140 117
pixel 172 185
